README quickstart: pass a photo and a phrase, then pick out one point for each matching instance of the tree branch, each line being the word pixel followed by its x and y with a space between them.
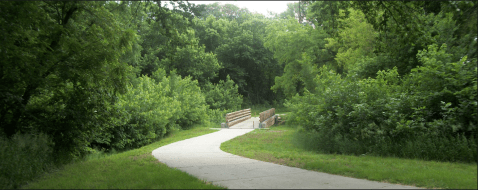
pixel 391 14
pixel 30 88
pixel 135 14
pixel 69 13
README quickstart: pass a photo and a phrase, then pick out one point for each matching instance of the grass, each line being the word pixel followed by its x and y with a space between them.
pixel 134 169
pixel 280 145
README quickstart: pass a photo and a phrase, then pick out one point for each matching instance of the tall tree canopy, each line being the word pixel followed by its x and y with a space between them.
pixel 60 67
pixel 384 77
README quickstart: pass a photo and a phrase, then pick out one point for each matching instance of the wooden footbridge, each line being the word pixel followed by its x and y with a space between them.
pixel 242 119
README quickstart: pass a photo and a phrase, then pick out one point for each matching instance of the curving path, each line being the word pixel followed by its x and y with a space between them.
pixel 202 157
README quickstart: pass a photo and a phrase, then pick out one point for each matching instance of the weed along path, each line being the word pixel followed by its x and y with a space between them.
pixel 202 157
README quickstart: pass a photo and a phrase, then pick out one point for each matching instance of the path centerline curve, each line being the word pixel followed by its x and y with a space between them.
pixel 202 157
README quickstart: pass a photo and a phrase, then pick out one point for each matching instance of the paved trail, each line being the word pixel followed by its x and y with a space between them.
pixel 202 157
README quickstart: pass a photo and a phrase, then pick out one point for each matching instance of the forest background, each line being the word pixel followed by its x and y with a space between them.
pixel 391 78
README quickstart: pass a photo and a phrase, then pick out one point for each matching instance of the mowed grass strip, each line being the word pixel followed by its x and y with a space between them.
pixel 278 145
pixel 134 169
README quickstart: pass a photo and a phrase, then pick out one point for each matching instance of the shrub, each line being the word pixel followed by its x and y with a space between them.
pixel 224 95
pixel 217 116
pixel 446 89
pixel 192 101
pixel 428 114
pixel 145 111
pixel 23 157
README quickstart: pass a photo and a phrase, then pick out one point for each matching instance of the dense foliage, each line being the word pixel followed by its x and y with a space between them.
pixel 79 76
pixel 394 78
pixel 399 87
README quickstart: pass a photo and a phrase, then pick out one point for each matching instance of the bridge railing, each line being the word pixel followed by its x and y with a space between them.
pixel 237 117
pixel 267 118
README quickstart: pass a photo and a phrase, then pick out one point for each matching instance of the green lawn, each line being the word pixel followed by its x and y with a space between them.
pixel 278 145
pixel 135 169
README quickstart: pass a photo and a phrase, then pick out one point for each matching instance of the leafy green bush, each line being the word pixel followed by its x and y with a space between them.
pixel 24 157
pixel 145 111
pixel 217 116
pixel 447 90
pixel 224 95
pixel 192 101
pixel 153 107
pixel 427 114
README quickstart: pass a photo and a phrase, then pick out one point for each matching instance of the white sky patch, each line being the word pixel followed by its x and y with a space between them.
pixel 255 6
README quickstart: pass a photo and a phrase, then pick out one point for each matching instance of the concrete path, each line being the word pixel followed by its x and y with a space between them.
pixel 202 157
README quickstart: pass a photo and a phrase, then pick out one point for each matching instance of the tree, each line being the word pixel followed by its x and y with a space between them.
pixel 226 11
pixel 325 14
pixel 240 50
pixel 299 49
pixel 355 40
pixel 60 71
pixel 223 95
pixel 192 60
pixel 211 32
pixel 405 27
pixel 296 10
